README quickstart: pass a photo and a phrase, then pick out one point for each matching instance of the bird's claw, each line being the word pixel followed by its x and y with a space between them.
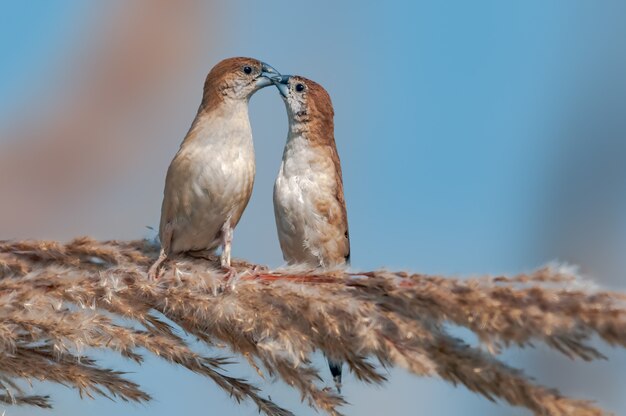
pixel 229 272
pixel 154 272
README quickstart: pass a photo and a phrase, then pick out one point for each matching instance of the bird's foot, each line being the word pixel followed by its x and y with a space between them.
pixel 155 270
pixel 229 272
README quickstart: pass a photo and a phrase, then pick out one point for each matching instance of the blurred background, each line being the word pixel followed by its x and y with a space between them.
pixel 476 138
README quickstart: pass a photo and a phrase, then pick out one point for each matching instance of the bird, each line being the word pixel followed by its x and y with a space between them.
pixel 309 203
pixel 210 179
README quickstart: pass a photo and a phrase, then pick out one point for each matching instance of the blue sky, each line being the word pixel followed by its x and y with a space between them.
pixel 459 124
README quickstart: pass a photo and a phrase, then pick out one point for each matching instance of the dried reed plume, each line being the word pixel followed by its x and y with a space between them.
pixel 60 301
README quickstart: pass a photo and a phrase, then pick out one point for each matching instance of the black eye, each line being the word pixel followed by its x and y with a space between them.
pixel 247 69
pixel 299 87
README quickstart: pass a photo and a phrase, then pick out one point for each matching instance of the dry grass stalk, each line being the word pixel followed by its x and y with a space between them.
pixel 60 301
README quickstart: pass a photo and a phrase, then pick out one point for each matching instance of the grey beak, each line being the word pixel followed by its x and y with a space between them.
pixel 270 73
pixel 283 85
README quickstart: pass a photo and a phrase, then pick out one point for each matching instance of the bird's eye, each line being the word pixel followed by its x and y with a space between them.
pixel 247 69
pixel 299 87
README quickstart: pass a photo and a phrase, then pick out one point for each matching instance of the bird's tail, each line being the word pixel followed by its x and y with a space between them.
pixel 335 370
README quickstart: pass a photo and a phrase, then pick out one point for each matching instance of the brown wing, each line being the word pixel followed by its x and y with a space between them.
pixel 342 221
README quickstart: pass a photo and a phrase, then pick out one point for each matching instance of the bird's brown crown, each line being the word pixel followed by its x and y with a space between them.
pixel 224 75
pixel 317 109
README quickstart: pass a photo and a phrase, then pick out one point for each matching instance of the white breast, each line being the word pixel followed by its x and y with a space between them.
pixel 305 178
pixel 210 179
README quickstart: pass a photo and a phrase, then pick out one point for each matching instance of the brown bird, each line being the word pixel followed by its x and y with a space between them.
pixel 209 181
pixel 309 204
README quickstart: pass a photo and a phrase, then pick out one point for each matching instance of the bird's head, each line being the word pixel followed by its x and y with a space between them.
pixel 237 79
pixel 306 100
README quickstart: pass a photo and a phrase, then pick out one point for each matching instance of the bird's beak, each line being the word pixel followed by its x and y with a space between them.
pixel 267 76
pixel 283 85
